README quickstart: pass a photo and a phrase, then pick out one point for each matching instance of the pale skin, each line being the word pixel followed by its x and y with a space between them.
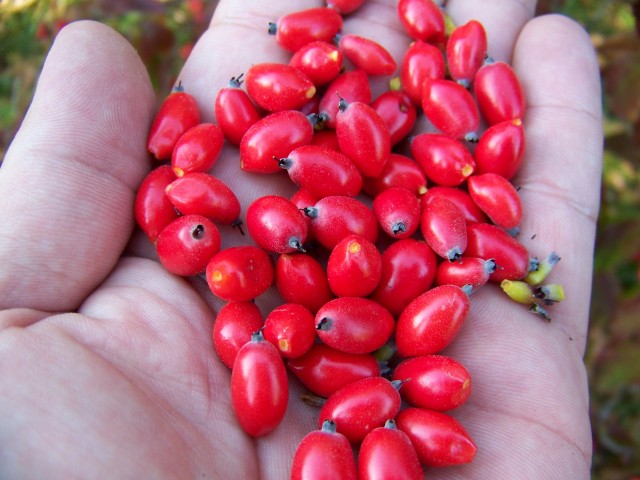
pixel 107 367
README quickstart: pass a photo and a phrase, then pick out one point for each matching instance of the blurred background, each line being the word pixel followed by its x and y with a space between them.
pixel 164 32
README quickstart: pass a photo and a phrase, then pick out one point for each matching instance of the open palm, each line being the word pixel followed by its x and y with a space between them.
pixel 107 368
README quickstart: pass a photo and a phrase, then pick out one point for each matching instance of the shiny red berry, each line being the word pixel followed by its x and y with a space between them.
pixel 431 321
pixel 501 149
pixel 290 327
pixel 153 209
pixel 320 61
pixel 361 406
pixel 198 149
pixel 398 112
pixel 276 87
pixel 324 453
pixel 300 278
pixel 186 245
pixel 275 135
pixel 366 54
pixel 337 216
pixel 444 160
pixel 386 452
pixel 322 171
pixel 408 270
pixel 234 324
pixel 422 20
pixel 498 198
pixel 397 211
pixel 439 439
pixel 203 194
pixel 499 93
pixel 259 387
pixel 324 370
pixel 420 62
pixel 177 114
pixel 276 224
pixel 363 136
pixel 296 29
pixel 240 273
pixel 466 51
pixel 451 109
pixel 354 324
pixel 352 86
pixel 235 111
pixel 354 267
pixel 436 382
pixel 444 228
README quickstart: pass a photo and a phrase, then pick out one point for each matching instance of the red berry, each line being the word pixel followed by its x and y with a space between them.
pixel 472 271
pixel 408 270
pixel 352 86
pixel 488 241
pixel 153 210
pixel 444 228
pixel 363 136
pixel 499 93
pixel 422 20
pixel 326 138
pixel 177 114
pixel 435 382
pixel 366 54
pixel 234 324
pixel 397 211
pixel 420 62
pixel 354 267
pixel 459 197
pixel 501 149
pixel 276 224
pixel 197 150
pixel 259 387
pixel 235 111
pixel 294 30
pixel 320 61
pixel 277 87
pixel 290 327
pixel 431 321
pixel 322 171
pixel 498 198
pixel 444 160
pixel 300 278
pixel 324 370
pixel 324 454
pixel 451 109
pixel 361 406
pixel 186 245
pixel 387 452
pixel 240 273
pixel 354 324
pixel 203 194
pixel 345 6
pixel 398 112
pixel 466 51
pixel 275 135
pixel 438 438
pixel 399 171
pixel 337 216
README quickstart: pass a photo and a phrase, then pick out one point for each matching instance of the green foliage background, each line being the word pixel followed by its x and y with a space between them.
pixel 163 33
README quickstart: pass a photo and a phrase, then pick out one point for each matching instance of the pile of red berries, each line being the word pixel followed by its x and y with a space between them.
pixel 376 254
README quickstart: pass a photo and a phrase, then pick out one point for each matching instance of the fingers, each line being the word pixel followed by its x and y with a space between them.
pixel 560 176
pixel 68 180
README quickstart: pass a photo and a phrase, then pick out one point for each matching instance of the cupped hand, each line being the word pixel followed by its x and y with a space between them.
pixel 107 368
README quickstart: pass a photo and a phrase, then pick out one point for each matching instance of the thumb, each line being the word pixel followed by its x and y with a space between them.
pixel 68 180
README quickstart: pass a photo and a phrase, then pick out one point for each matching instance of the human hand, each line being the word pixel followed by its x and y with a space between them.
pixel 106 361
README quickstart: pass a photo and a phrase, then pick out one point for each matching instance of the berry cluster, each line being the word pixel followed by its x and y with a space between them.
pixel 370 264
